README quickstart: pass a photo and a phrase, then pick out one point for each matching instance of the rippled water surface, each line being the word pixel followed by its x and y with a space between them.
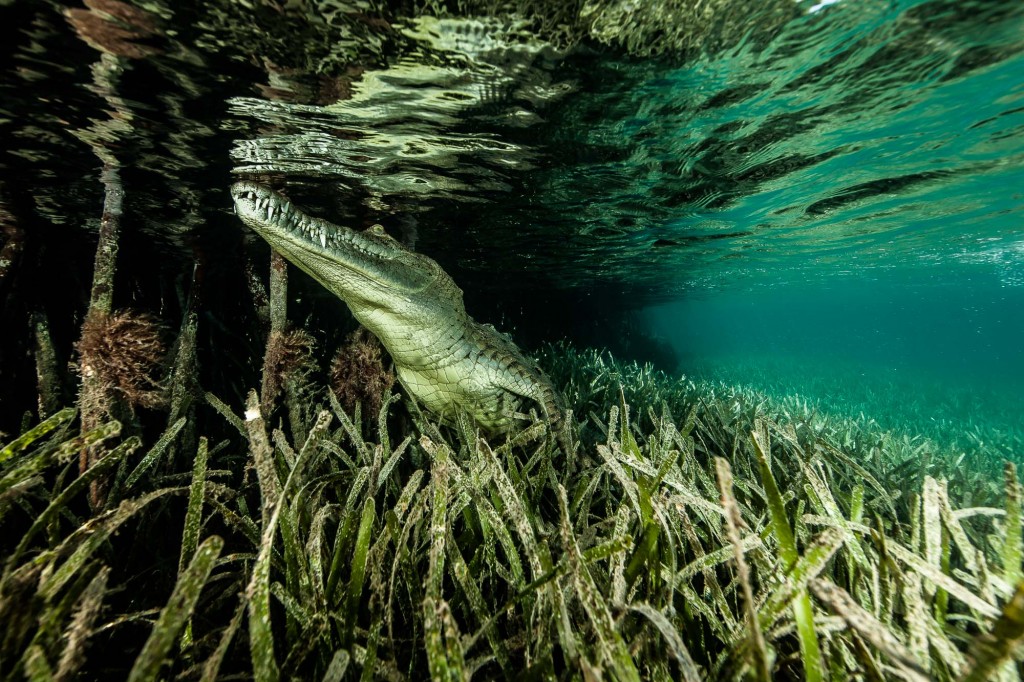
pixel 841 176
pixel 868 135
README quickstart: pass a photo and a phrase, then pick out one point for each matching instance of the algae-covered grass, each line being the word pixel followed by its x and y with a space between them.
pixel 683 531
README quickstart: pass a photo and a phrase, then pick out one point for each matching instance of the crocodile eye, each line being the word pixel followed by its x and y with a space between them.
pixel 377 230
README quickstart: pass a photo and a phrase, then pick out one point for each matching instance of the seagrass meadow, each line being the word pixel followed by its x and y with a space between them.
pixel 684 531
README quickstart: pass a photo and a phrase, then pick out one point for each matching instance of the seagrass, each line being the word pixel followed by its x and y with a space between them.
pixel 688 518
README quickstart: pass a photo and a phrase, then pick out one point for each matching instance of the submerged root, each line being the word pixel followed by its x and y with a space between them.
pixel 12 240
pixel 125 352
pixel 358 374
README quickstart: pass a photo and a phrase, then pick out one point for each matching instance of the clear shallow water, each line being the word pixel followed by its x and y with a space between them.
pixel 841 195
pixel 925 355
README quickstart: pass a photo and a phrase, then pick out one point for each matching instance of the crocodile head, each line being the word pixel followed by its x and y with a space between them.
pixel 362 268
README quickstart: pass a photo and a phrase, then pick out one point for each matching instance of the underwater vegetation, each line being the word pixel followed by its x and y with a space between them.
pixel 691 531
pixel 965 419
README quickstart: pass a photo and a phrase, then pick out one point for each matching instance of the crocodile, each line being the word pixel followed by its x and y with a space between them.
pixel 445 360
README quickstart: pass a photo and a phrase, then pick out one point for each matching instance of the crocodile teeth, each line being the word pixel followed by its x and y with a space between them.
pixel 323 239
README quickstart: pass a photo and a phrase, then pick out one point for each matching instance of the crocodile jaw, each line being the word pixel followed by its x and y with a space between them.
pixel 355 266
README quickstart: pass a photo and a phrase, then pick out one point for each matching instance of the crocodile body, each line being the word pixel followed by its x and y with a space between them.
pixel 447 361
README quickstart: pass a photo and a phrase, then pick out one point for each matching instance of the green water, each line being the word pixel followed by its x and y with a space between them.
pixel 862 136
pixel 907 350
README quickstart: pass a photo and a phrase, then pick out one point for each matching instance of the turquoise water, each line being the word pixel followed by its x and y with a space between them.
pixel 905 349
pixel 863 136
